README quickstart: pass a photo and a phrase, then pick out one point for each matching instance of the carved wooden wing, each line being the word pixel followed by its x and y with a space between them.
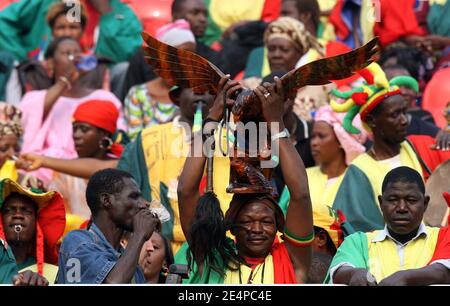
pixel 181 67
pixel 324 70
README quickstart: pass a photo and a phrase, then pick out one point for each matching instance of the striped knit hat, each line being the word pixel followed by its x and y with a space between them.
pixel 364 99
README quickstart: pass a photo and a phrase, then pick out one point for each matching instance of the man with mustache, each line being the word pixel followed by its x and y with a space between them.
pixel 405 252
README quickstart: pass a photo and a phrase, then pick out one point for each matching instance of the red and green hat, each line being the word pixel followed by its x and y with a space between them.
pixel 50 220
pixel 364 99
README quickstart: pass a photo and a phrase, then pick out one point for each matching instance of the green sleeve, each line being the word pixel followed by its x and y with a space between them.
pixel 133 161
pixel 23 26
pixel 356 200
pixel 353 250
pixel 120 33
pixel 255 63
pixel 8 267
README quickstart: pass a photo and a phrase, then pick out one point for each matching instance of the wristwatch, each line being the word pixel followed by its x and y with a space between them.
pixel 282 134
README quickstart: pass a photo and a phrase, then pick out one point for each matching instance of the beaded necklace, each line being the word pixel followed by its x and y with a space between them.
pixel 252 275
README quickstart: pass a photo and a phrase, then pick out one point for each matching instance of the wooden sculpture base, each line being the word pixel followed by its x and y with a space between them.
pixel 246 176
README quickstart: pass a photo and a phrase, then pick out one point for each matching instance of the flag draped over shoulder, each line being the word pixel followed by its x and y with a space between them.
pixel 353 250
pixel 282 266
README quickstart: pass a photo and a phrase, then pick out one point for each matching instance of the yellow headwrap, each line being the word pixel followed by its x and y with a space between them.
pixel 295 31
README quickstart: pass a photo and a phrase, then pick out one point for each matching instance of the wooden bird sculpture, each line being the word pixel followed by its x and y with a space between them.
pixel 186 69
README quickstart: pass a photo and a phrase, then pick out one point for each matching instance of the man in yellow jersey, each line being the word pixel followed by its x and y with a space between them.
pixel 405 252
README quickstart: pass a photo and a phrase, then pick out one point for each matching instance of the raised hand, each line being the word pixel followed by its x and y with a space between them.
pixel 227 89
pixel 144 223
pixel 272 98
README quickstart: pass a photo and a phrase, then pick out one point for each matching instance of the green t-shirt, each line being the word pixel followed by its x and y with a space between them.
pixel 24 29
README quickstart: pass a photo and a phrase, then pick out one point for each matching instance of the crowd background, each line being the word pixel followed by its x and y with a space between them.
pixel 62 120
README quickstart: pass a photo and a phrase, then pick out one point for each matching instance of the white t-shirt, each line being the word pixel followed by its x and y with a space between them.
pixel 394 162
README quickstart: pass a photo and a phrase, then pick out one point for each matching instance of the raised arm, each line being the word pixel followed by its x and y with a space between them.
pixel 299 223
pixel 80 167
pixel 144 223
pixel 188 190
pixel 189 199
pixel 66 76
pixel 53 94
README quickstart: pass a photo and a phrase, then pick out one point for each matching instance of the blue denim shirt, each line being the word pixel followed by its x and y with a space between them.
pixel 86 257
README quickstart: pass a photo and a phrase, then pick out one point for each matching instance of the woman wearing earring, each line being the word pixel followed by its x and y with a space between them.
pixel 94 124
pixel 156 258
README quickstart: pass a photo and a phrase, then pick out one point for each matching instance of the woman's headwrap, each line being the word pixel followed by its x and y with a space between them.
pixel 240 200
pixel 176 33
pixel 294 31
pixel 328 219
pixel 10 120
pixel 104 115
pixel 99 113
pixel 50 220
pixel 364 99
pixel 351 143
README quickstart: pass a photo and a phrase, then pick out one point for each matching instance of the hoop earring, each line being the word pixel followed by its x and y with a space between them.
pixel 105 143
pixel 164 270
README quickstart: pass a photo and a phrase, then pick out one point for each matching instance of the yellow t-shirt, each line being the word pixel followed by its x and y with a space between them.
pixel 385 260
pixel 377 170
pixel 322 193
pixel 262 273
pixel 165 148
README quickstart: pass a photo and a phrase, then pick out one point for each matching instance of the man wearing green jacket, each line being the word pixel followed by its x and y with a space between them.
pixel 24 28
